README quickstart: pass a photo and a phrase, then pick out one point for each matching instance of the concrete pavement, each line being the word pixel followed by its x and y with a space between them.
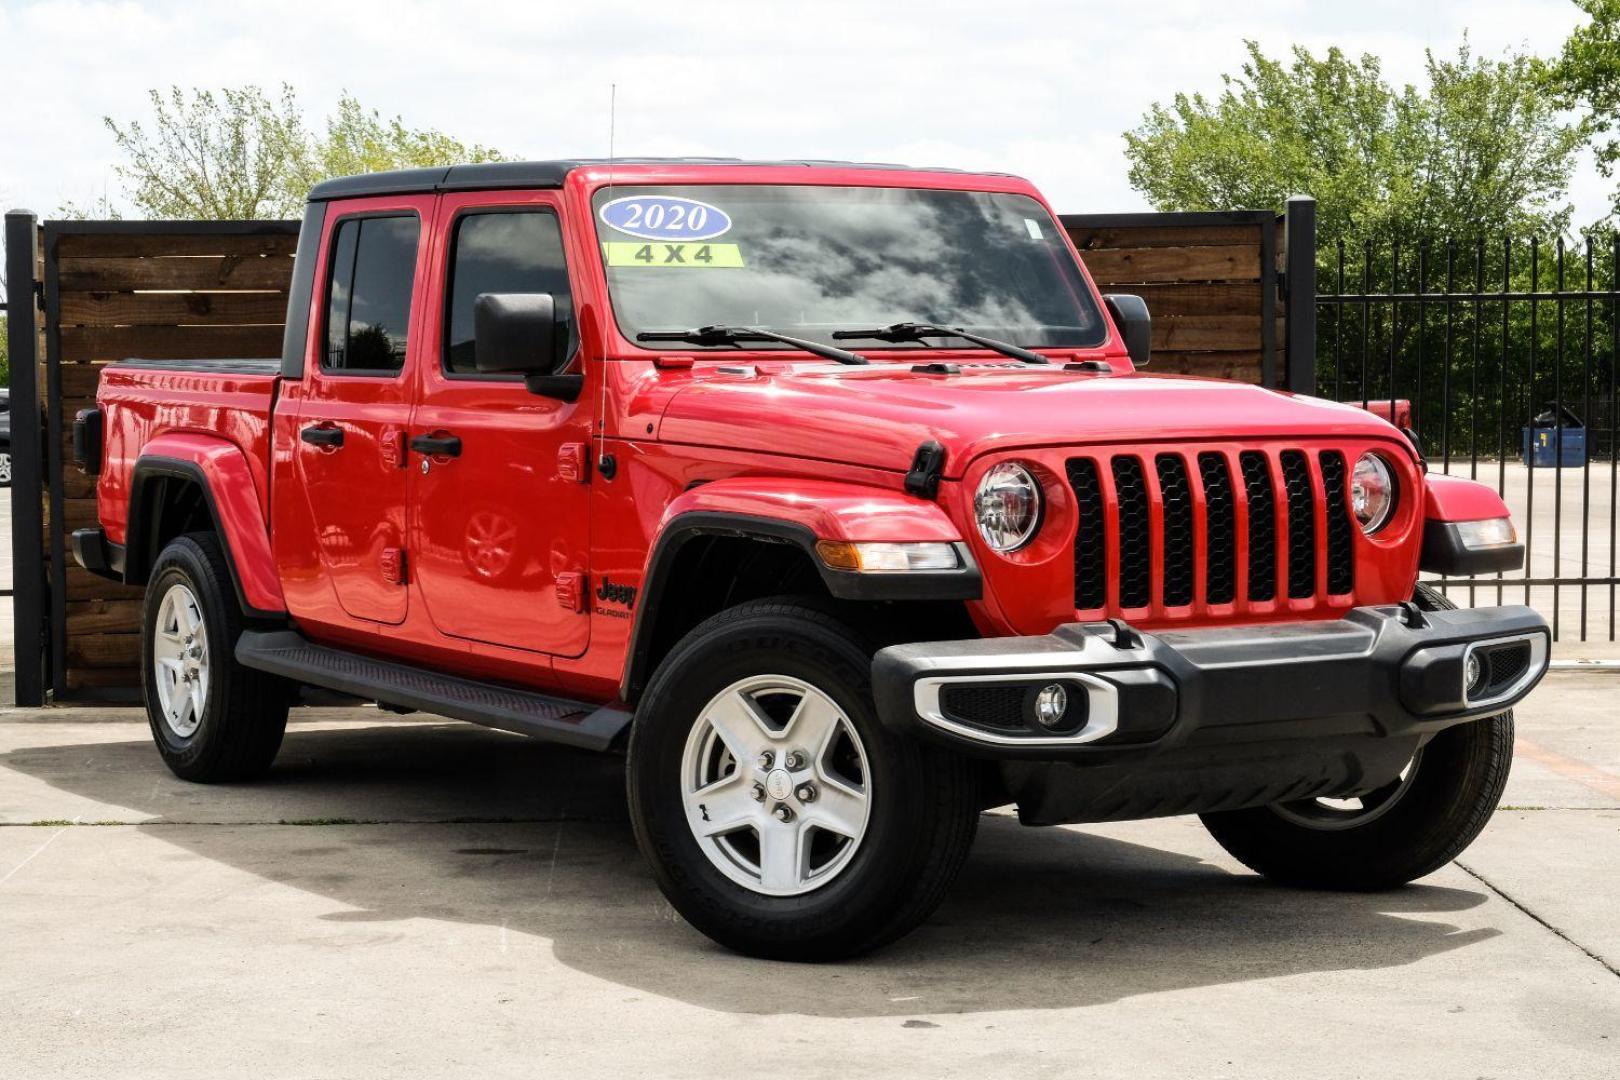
pixel 411 898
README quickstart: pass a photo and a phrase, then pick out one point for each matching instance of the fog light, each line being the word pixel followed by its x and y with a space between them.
pixel 1473 675
pixel 1050 705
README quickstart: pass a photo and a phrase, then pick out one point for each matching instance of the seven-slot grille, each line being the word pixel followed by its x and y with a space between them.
pixel 1225 520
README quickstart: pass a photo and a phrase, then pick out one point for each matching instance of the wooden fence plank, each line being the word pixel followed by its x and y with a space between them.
pixel 1168 300
pixel 79 381
pixel 1134 236
pixel 1229 333
pixel 81 343
pixel 125 245
pixel 1241 366
pixel 103 679
pixel 83 585
pixel 1174 264
pixel 201 272
pixel 103 650
pixel 103 617
pixel 173 309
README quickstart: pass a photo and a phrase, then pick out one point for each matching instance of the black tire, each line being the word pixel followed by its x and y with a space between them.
pixel 1455 786
pixel 923 800
pixel 244 712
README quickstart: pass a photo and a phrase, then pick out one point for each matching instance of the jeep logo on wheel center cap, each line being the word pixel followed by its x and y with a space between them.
pixel 778 785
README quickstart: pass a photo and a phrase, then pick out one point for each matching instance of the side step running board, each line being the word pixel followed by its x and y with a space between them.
pixel 290 654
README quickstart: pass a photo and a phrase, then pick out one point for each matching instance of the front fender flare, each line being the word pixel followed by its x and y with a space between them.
pixel 1449 500
pixel 221 470
pixel 799 512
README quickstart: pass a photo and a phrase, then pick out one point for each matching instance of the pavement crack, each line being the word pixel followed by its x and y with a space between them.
pixel 64 827
pixel 1534 917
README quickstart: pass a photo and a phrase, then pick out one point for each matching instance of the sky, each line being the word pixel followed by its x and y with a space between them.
pixel 1040 89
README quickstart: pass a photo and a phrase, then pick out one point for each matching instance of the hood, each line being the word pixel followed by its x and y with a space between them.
pixel 878 416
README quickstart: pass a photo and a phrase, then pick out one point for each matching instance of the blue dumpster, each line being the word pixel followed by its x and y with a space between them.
pixel 1539 445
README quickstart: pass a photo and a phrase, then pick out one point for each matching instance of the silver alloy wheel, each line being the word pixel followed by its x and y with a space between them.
pixel 1333 815
pixel 776 785
pixel 180 661
pixel 5 467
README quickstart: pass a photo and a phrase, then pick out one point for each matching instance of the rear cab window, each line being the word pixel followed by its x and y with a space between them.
pixel 369 293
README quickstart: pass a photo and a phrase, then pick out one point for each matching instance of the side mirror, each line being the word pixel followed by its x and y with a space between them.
pixel 518 332
pixel 1130 314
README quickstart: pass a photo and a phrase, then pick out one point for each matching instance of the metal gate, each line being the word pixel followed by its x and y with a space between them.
pixel 1502 353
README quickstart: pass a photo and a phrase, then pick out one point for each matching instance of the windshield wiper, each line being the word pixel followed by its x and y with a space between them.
pixel 736 335
pixel 915 331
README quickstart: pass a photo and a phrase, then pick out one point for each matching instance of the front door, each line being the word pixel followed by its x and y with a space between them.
pixel 349 451
pixel 499 508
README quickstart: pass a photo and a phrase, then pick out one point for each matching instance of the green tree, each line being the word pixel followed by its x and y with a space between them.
pixel 1483 141
pixel 360 140
pixel 241 154
pixel 1586 76
pixel 206 155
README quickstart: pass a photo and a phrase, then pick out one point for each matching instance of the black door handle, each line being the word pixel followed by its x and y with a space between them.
pixel 448 445
pixel 322 436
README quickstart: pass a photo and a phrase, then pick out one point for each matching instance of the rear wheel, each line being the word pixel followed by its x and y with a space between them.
pixel 212 719
pixel 780 818
pixel 1402 831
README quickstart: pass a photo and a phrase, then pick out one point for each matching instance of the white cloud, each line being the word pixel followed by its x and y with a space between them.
pixel 1043 89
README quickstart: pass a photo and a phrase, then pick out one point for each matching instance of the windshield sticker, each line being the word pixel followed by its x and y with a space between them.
pixel 1033 227
pixel 665 217
pixel 698 256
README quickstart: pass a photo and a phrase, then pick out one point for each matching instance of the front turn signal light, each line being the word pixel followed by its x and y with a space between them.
pixel 1492 532
pixel 885 557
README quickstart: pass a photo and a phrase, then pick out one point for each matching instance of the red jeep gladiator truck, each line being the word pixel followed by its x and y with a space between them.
pixel 834 497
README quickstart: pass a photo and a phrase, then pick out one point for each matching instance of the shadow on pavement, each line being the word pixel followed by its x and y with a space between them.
pixel 1041 918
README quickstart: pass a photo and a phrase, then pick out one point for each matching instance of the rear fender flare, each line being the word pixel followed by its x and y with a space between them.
pixel 220 469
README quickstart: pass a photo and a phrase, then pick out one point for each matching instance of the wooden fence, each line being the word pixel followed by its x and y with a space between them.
pixel 112 290
pixel 85 293
pixel 1212 281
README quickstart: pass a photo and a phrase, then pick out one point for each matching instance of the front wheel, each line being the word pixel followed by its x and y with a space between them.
pixel 780 818
pixel 1405 830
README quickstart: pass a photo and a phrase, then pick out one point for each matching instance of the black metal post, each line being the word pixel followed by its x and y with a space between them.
pixel 1299 234
pixel 27 521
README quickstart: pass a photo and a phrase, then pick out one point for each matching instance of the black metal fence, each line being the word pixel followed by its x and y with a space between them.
pixel 1503 353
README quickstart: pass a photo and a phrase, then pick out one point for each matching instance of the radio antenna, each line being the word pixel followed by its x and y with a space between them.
pixel 604 462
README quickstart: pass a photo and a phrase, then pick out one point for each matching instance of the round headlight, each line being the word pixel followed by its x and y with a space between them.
pixel 1007 507
pixel 1372 493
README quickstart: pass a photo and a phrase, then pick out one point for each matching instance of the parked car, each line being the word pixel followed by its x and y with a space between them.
pixel 833 496
pixel 5 437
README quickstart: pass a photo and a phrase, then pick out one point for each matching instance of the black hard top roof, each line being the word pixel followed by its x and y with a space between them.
pixel 497 175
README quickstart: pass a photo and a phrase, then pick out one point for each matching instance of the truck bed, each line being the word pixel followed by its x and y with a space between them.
pixel 141 400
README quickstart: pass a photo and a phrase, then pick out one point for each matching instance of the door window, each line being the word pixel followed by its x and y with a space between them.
pixel 368 299
pixel 503 252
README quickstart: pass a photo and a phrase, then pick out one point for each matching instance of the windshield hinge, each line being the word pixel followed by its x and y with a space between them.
pixel 927 465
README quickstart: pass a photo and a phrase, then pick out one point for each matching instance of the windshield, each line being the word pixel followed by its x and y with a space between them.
pixel 810 260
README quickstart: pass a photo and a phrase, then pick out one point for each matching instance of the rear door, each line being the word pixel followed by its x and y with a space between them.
pixel 350 451
pixel 500 531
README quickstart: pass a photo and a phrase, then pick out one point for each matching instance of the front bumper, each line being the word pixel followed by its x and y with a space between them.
pixel 1191 720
